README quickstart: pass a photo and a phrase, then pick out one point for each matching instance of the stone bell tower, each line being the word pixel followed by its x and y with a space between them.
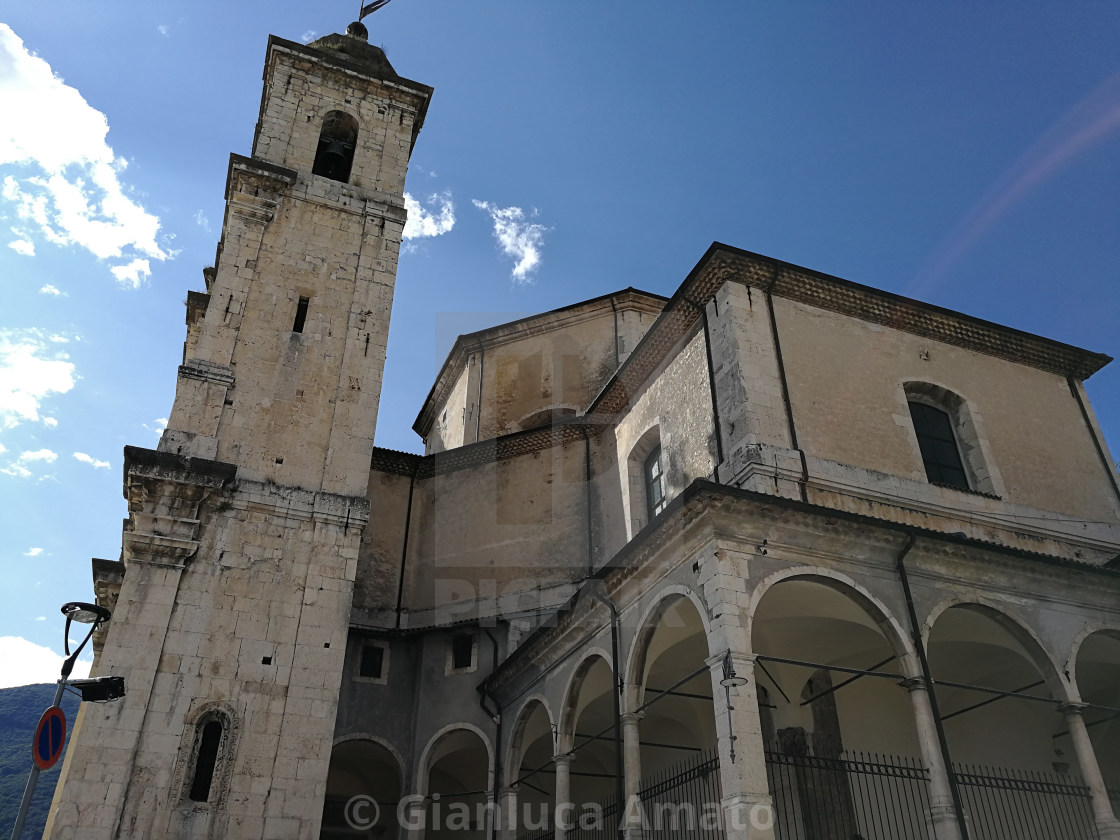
pixel 232 599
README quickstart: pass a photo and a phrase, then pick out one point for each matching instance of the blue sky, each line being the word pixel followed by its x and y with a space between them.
pixel 962 153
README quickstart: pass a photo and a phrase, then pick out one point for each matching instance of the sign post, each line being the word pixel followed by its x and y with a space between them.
pixel 50 734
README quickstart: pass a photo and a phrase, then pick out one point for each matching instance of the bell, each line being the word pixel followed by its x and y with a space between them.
pixel 333 160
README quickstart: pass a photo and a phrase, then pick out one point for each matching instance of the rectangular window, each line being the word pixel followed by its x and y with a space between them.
pixel 301 314
pixel 372 662
pixel 940 454
pixel 655 483
pixel 462 651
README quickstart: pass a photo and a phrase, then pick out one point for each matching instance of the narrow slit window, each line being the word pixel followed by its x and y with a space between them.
pixel 301 314
pixel 206 761
pixel 462 651
pixel 655 483
pixel 941 456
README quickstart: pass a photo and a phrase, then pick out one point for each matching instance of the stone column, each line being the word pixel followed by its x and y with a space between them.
pixel 1108 827
pixel 565 810
pixel 632 772
pixel 942 813
pixel 509 819
pixel 748 810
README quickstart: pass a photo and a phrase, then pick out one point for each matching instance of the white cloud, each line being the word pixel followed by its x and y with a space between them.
pixel 163 29
pixel 517 238
pixel 41 618
pixel 30 371
pixel 309 36
pixel 201 220
pixel 135 274
pixel 50 422
pixel 160 425
pixel 26 663
pixel 23 246
pixel 38 455
pixel 422 223
pixel 76 197
pixel 33 552
pixel 16 470
pixel 93 462
pixel 53 291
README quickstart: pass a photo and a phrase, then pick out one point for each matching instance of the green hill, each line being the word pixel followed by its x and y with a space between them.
pixel 20 710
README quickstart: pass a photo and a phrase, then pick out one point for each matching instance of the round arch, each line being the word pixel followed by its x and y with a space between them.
pixel 568 710
pixel 424 765
pixel 365 766
pixel 875 609
pixel 1033 647
pixel 1088 630
pixel 632 675
pixel 516 751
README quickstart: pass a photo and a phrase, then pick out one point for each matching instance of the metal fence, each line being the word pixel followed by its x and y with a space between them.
pixel 682 801
pixel 1007 804
pixel 858 796
pixel 862 796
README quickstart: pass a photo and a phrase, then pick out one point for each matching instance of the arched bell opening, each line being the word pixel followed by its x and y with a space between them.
pixel 363 792
pixel 334 155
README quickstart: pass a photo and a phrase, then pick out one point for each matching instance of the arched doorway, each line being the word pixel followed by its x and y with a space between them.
pixel 458 787
pixel 363 792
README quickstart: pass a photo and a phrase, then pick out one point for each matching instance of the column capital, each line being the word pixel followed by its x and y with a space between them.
pixel 563 759
pixel 508 790
pixel 1072 708
pixel 631 718
pixel 915 683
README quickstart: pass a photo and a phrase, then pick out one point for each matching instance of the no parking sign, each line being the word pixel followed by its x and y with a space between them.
pixel 50 735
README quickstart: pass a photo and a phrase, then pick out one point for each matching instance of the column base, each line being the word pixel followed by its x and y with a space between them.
pixel 747 817
pixel 942 822
pixel 1108 830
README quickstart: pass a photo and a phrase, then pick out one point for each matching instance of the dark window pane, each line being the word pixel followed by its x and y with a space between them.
pixel 373 658
pixel 462 650
pixel 205 761
pixel 655 483
pixel 940 454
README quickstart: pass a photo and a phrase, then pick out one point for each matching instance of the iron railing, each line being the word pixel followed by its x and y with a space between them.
pixel 857 796
pixel 862 796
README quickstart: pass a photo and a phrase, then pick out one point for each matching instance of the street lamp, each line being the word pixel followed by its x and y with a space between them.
pixel 731 680
pixel 102 688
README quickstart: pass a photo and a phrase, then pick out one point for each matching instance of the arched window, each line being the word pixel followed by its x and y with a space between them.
pixel 941 456
pixel 205 755
pixel 951 447
pixel 335 153
pixel 648 474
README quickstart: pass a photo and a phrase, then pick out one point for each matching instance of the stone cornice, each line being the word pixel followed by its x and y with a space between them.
pixel 723 263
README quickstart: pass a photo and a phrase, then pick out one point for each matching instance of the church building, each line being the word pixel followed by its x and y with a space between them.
pixel 780 557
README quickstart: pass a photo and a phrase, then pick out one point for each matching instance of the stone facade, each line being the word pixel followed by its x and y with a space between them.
pixel 645 531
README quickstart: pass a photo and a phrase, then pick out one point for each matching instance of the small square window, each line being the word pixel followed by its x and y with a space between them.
pixel 373 663
pixel 462 651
